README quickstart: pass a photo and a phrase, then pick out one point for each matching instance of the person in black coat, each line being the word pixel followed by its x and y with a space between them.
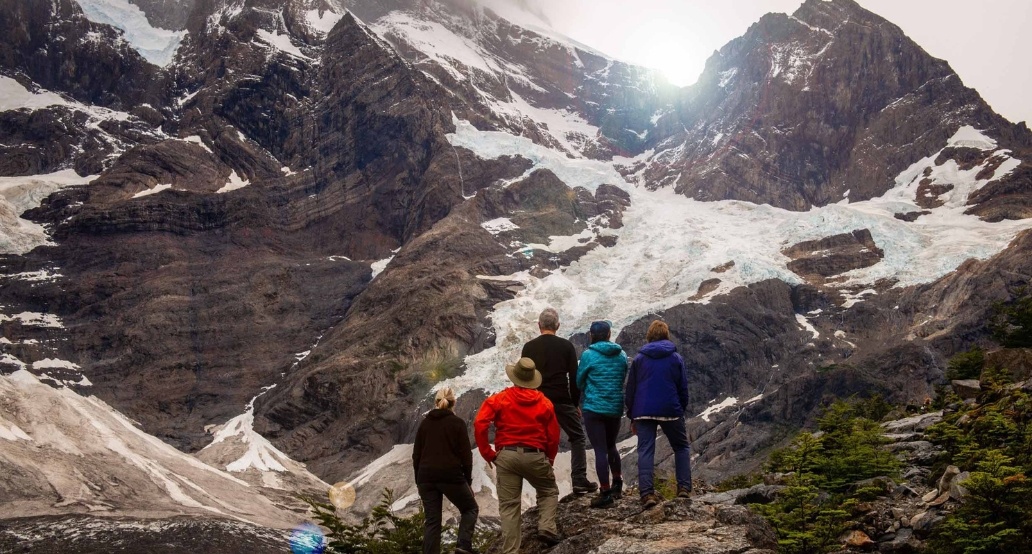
pixel 442 458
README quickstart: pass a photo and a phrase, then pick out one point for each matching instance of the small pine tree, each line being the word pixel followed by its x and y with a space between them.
pixel 966 365
pixel 1011 324
pixel 996 516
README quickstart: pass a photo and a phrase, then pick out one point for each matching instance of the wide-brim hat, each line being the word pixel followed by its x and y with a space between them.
pixel 524 374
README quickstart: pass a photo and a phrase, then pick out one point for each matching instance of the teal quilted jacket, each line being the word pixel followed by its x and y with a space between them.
pixel 600 377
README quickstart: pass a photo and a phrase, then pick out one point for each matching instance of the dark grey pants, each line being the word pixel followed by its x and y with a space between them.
pixel 571 424
pixel 462 497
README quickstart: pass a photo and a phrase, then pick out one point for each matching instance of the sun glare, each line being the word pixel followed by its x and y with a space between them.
pixel 665 46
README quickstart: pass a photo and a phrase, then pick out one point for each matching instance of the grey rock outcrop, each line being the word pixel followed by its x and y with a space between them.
pixel 672 526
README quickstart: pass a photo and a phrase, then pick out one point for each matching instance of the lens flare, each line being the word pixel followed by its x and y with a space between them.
pixel 342 495
pixel 307 539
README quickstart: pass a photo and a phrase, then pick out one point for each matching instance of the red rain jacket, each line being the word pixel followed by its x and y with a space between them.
pixel 522 417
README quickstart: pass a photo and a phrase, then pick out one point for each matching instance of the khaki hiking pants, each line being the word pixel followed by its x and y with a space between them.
pixel 513 466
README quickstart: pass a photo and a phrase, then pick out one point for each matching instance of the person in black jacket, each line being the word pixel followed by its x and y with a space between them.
pixel 556 359
pixel 443 461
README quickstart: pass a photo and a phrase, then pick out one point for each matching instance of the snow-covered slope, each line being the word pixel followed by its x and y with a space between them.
pixel 64 453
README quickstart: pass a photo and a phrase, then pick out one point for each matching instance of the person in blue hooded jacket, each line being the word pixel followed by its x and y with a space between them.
pixel 657 397
pixel 600 377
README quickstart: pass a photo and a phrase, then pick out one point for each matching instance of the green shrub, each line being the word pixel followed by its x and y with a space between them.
pixel 994 443
pixel 813 509
pixel 742 481
pixel 1011 324
pixel 383 531
pixel 966 365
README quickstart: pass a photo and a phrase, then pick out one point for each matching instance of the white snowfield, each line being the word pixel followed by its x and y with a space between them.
pixel 670 243
pixel 157 46
pixel 19 194
pixel 77 454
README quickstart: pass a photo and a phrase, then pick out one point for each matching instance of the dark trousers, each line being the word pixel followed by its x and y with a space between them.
pixel 678 436
pixel 570 422
pixel 602 431
pixel 458 494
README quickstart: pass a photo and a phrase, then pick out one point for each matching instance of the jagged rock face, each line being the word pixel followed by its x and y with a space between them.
pixel 817 260
pixel 186 302
pixel 367 376
pixel 804 110
pixel 500 67
pixel 89 63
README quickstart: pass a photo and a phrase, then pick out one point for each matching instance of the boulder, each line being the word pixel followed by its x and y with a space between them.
pixel 902 541
pixel 858 539
pixel 957 489
pixel 923 523
pixel 967 388
pixel 759 494
pixel 948 476
pixel 919 422
pixel 1018 361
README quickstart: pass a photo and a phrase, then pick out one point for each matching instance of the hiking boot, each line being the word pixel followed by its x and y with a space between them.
pixel 683 492
pixel 465 550
pixel 649 500
pixel 549 538
pixel 617 489
pixel 585 487
pixel 604 500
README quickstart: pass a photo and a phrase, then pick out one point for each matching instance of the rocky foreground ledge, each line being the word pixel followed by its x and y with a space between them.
pixel 674 526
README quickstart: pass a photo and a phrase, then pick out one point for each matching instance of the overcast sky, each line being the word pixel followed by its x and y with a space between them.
pixel 987 42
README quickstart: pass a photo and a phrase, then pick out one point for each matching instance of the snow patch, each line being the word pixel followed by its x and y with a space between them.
pixel 806 325
pixel 196 139
pixel 34 319
pixel 969 137
pixel 156 45
pixel 19 194
pixel 154 190
pixel 499 225
pixel 234 182
pixel 53 363
pixel 380 265
pixel 715 408
pixel 280 42
pixel 13 96
pixel 11 432
pixel 260 454
pixel 323 22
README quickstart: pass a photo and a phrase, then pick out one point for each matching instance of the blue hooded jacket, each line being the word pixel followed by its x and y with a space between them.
pixel 657 383
pixel 600 377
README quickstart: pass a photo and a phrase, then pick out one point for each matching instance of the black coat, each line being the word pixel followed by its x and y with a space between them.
pixel 442 453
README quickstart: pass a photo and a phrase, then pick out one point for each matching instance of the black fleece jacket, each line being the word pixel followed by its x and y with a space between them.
pixel 442 453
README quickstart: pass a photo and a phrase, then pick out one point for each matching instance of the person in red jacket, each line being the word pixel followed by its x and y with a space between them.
pixel 526 443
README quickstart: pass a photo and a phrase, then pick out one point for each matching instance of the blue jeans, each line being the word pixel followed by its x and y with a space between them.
pixel 678 436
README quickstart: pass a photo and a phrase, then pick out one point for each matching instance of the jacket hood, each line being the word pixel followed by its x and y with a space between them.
pixel 658 349
pixel 606 348
pixel 438 413
pixel 525 397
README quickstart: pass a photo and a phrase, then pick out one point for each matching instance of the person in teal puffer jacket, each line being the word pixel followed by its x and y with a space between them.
pixel 600 377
